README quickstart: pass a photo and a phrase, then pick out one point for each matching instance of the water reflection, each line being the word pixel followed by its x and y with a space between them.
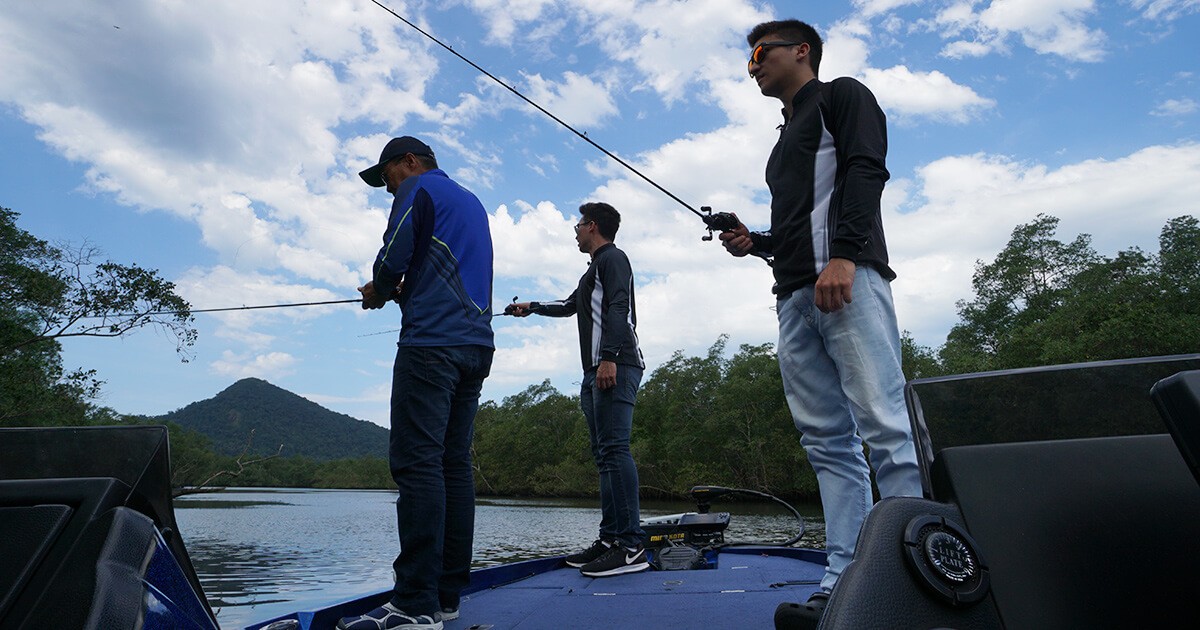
pixel 262 553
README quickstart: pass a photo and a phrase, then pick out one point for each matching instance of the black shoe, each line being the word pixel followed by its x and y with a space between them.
pixel 618 560
pixel 587 555
pixel 388 617
pixel 806 616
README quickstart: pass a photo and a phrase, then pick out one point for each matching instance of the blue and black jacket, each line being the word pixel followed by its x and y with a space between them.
pixel 438 242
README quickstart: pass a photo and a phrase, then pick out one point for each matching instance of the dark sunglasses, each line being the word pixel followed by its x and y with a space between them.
pixel 760 51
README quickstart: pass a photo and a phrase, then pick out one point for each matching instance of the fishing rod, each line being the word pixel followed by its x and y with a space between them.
pixel 713 222
pixel 254 308
pixel 235 308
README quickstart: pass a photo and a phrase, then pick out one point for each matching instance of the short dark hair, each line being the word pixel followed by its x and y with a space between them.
pixel 793 31
pixel 607 219
pixel 427 161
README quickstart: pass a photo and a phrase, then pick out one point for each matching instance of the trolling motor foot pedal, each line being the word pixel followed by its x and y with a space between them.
pixel 678 558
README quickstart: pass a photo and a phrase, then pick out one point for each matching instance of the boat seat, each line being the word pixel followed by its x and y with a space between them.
pixel 879 590
pixel 1088 533
pixel 1178 400
pixel 45 524
pixel 26 534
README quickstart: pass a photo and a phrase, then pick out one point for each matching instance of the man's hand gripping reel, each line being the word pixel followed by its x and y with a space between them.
pixel 724 222
pixel 719 222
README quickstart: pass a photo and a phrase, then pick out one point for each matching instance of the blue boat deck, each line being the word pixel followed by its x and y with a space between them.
pixel 741 592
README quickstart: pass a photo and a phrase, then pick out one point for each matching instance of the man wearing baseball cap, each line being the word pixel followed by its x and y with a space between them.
pixel 436 262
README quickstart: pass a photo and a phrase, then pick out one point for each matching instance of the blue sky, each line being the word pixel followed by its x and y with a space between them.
pixel 219 143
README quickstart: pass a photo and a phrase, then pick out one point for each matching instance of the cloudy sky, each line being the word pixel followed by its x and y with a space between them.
pixel 219 142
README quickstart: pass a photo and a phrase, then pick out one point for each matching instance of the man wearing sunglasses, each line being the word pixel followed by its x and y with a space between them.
pixel 436 262
pixel 612 370
pixel 839 344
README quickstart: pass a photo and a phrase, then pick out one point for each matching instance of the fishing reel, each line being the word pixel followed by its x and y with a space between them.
pixel 719 222
pixel 510 309
pixel 725 222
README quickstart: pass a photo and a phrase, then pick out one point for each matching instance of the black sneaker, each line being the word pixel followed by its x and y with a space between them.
pixel 448 613
pixel 618 560
pixel 587 555
pixel 388 617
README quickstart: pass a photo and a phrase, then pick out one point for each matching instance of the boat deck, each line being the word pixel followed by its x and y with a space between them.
pixel 741 592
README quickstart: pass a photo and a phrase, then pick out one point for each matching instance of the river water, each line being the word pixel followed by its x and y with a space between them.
pixel 261 553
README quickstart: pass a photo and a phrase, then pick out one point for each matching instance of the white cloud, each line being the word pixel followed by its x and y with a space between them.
pixel 967 206
pixel 555 258
pixel 1165 10
pixel 225 287
pixel 1175 107
pixel 876 7
pixel 669 44
pixel 577 100
pixel 530 348
pixel 901 91
pixel 1054 27
pixel 273 365
pixel 847 50
pixel 930 95
pixel 505 17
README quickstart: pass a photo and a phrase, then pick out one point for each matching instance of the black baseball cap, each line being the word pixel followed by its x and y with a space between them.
pixel 396 147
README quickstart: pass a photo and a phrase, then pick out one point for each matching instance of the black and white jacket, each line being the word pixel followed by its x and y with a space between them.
pixel 826 176
pixel 605 307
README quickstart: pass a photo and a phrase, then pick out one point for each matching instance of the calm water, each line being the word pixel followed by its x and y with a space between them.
pixel 261 553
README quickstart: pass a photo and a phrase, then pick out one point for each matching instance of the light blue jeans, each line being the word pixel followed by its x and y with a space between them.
pixel 841 374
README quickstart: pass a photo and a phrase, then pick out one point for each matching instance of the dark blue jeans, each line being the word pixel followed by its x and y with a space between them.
pixel 435 394
pixel 609 414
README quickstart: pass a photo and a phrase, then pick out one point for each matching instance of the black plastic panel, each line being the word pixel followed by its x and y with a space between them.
pixel 1095 533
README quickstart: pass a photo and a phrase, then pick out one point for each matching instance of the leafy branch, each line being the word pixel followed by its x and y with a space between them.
pixel 65 293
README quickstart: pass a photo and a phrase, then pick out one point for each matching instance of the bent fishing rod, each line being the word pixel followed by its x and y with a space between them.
pixel 713 222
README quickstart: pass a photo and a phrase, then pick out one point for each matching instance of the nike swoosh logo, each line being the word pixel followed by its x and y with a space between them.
pixel 630 559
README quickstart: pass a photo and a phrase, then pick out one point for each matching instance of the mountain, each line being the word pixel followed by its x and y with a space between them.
pixel 278 416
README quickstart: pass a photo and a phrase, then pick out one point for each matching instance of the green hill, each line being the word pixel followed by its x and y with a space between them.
pixel 278 416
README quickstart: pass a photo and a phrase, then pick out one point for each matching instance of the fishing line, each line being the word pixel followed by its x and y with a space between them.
pixel 541 109
pixel 714 222
pixel 382 332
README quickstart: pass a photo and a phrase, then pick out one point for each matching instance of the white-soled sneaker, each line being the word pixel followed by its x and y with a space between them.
pixel 618 560
pixel 587 555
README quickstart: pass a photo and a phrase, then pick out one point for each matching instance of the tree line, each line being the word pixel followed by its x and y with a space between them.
pixel 720 418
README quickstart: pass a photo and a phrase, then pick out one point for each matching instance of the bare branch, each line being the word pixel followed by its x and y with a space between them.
pixel 203 486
